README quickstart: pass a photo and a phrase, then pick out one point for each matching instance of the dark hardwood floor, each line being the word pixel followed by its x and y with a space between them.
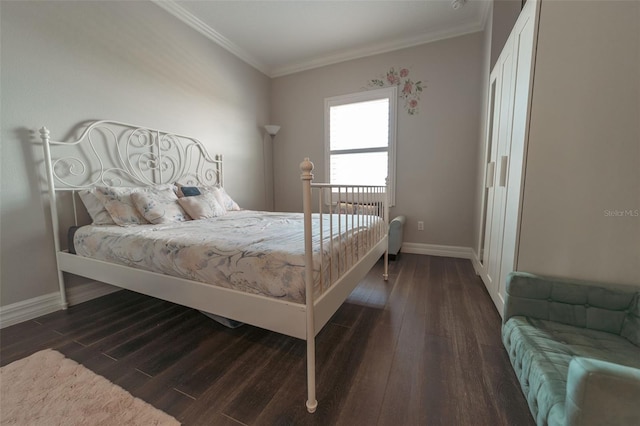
pixel 421 349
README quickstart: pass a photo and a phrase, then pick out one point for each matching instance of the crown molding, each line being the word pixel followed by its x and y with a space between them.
pixel 487 8
pixel 378 49
pixel 191 20
pixel 204 29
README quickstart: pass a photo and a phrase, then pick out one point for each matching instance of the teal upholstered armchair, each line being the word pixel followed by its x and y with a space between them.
pixel 575 348
pixel 396 229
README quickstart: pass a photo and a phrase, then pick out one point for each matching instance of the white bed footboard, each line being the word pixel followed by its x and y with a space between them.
pixel 362 206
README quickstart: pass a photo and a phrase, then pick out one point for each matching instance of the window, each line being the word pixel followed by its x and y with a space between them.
pixel 360 134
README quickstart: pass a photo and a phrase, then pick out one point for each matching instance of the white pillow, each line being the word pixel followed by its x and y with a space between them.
pixel 221 195
pixel 227 201
pixel 202 206
pixel 99 215
pixel 159 205
pixel 117 201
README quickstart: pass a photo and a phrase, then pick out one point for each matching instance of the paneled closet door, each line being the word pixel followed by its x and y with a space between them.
pixel 511 82
pixel 498 148
pixel 489 178
pixel 523 47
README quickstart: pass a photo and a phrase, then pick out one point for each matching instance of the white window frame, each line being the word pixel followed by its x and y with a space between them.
pixel 390 93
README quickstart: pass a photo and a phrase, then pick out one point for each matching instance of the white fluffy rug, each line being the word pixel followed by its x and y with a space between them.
pixel 49 389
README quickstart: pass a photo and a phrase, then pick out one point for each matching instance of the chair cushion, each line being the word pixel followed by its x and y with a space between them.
pixel 540 352
pixel 573 303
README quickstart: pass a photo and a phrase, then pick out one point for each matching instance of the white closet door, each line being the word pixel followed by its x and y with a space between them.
pixel 496 168
pixel 490 179
pixel 524 58
pixel 511 84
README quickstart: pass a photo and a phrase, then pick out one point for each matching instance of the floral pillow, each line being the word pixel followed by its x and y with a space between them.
pixel 99 215
pixel 221 195
pixel 202 206
pixel 117 201
pixel 227 201
pixel 159 205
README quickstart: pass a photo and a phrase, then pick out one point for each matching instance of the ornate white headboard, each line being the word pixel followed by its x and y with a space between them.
pixel 112 153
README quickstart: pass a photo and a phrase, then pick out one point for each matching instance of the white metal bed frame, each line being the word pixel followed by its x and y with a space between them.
pixel 144 156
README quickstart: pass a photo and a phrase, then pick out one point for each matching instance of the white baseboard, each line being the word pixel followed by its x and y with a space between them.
pixel 29 309
pixel 38 306
pixel 497 299
pixel 475 260
pixel 437 250
pixel 89 291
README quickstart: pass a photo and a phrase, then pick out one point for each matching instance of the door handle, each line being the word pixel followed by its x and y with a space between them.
pixel 504 161
pixel 491 172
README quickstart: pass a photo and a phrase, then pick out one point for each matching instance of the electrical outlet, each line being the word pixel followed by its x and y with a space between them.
pixel 420 226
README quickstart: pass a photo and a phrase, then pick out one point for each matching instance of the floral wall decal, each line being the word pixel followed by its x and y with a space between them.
pixel 410 90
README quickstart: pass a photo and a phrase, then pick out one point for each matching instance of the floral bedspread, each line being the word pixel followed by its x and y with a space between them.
pixel 255 252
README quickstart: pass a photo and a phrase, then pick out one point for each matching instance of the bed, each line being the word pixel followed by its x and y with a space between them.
pixel 285 272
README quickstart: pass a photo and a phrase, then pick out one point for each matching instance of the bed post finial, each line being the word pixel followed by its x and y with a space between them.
pixel 44 133
pixel 307 167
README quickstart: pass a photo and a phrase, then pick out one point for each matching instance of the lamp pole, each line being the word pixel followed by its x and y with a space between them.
pixel 272 130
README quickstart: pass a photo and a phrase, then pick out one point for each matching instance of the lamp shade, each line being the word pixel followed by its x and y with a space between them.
pixel 272 129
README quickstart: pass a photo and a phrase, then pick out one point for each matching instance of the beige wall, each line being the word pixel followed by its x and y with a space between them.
pixel 67 62
pixel 504 16
pixel 436 150
pixel 584 145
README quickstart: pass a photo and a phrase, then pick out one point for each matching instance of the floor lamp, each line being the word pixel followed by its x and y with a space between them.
pixel 271 130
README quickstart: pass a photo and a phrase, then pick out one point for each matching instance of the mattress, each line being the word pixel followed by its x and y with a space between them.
pixel 255 252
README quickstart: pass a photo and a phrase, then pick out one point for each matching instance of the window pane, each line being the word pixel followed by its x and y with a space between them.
pixel 359 169
pixel 359 125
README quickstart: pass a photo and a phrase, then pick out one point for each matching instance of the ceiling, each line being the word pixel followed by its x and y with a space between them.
pixel 287 36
